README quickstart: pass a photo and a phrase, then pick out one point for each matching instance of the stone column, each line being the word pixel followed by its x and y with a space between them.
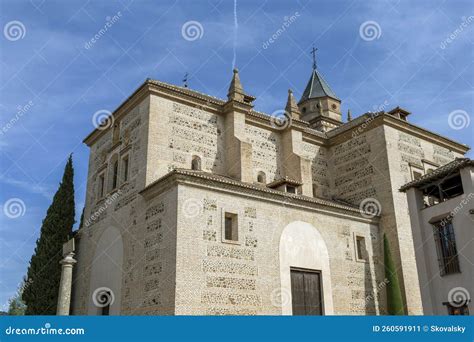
pixel 65 286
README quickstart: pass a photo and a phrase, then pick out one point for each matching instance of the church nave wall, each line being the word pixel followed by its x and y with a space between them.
pixel 221 277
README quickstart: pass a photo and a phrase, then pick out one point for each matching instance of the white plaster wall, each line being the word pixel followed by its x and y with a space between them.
pixel 438 287
pixel 107 269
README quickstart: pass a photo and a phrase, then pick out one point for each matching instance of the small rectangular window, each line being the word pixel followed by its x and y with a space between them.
pixel 446 247
pixel 115 175
pixel 125 168
pixel 360 246
pixel 231 232
pixel 101 185
pixel 291 189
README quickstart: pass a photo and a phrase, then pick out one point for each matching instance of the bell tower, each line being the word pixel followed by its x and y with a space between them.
pixel 319 105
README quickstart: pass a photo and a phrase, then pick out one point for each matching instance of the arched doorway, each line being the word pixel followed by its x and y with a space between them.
pixel 304 271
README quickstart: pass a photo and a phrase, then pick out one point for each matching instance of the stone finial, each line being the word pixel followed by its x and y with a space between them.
pixel 236 91
pixel 349 115
pixel 291 106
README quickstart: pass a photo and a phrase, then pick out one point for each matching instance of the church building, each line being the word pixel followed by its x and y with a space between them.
pixel 197 205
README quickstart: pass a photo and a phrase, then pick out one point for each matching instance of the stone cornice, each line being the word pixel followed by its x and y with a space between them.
pixel 371 120
pixel 137 96
pixel 216 182
pixel 187 99
pixel 236 106
pixel 423 133
pixel 175 93
pixel 216 105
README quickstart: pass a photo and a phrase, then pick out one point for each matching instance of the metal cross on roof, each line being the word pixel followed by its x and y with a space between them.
pixel 313 52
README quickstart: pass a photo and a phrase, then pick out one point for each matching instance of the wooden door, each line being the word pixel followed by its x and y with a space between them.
pixel 306 292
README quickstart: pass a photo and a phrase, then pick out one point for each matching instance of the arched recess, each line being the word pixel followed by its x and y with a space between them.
pixel 106 271
pixel 196 163
pixel 302 246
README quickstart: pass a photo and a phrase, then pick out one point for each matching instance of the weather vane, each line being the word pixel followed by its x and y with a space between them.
pixel 313 52
pixel 185 80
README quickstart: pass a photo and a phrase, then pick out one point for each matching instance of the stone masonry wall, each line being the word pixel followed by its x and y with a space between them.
pixel 177 133
pixel 266 152
pixel 402 150
pixel 374 164
pixel 219 278
pixel 118 208
pixel 318 156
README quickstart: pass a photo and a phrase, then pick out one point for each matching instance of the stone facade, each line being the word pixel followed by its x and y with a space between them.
pixel 154 236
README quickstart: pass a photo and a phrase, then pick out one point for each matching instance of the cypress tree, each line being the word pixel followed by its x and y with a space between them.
pixel 44 272
pixel 394 294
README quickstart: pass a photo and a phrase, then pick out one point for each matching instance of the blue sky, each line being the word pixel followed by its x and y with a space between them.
pixel 51 84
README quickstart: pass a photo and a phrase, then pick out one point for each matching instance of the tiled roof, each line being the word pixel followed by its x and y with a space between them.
pixel 187 91
pixel 251 186
pixel 439 173
pixel 283 180
pixel 317 87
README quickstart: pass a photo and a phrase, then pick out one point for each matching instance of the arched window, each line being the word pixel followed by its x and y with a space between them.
pixel 196 163
pixel 261 178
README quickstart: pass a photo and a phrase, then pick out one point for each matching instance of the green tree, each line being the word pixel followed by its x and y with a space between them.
pixel 16 307
pixel 394 294
pixel 44 272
